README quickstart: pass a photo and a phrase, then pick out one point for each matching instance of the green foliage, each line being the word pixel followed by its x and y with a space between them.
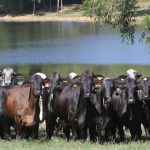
pixel 126 19
pixel 146 23
pixel 100 9
pixel 14 6
pixel 116 12
pixel 17 6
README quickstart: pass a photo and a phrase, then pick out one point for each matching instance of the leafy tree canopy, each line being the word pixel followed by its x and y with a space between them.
pixel 114 12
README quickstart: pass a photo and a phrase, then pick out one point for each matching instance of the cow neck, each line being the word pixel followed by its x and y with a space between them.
pixel 32 98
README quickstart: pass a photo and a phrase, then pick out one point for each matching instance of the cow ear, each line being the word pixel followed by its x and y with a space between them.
pixel 99 77
pixel 138 75
pixel 64 80
pixel 76 84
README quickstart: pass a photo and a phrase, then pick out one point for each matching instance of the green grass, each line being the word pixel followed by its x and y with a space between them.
pixel 61 144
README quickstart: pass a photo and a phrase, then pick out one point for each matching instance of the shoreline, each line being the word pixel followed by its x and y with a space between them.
pixel 31 18
pixel 54 18
pixel 36 18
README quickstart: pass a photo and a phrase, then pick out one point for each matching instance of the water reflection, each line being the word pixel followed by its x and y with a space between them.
pixel 68 43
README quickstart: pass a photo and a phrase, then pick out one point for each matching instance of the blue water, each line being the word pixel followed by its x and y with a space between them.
pixel 68 43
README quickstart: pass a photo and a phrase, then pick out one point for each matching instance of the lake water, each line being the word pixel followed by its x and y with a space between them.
pixel 70 46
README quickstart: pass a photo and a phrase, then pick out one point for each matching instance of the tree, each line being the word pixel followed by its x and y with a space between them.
pixel 146 24
pixel 114 12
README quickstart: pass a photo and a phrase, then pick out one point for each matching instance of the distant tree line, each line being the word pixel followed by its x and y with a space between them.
pixel 23 6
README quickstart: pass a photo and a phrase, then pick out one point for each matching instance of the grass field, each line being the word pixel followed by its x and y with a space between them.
pixel 62 144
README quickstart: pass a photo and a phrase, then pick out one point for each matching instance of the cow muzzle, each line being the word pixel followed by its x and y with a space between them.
pixel 38 92
pixel 87 95
pixel 131 101
pixel 146 97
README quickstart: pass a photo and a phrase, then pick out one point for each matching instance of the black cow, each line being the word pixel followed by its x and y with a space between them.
pixel 144 96
pixel 94 108
pixel 3 120
pixel 115 107
pixel 124 109
pixel 69 103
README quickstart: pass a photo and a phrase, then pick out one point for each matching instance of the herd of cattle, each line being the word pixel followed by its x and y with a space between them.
pixel 86 105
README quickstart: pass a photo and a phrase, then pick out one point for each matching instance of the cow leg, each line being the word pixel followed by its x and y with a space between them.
pixel 35 131
pixel 77 129
pixel 1 131
pixel 146 122
pixel 92 131
pixel 121 132
pixel 136 132
pixel 18 129
pixel 66 130
pixel 7 132
pixel 50 125
pixel 85 133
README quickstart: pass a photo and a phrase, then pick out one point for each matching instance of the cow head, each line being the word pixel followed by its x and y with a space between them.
pixel 37 80
pixel 7 76
pixel 133 74
pixel 55 78
pixel 107 89
pixel 97 84
pixel 47 84
pixel 131 90
pixel 119 101
pixel 87 83
pixel 144 88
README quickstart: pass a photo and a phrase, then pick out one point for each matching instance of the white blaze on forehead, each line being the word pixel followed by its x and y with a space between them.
pixel 41 74
pixel 131 73
pixel 145 79
pixel 72 75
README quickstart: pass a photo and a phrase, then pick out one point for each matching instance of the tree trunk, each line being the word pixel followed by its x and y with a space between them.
pixel 50 5
pixel 61 5
pixel 33 7
pixel 44 4
pixel 57 5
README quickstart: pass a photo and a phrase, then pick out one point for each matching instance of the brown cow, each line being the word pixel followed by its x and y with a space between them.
pixel 22 106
